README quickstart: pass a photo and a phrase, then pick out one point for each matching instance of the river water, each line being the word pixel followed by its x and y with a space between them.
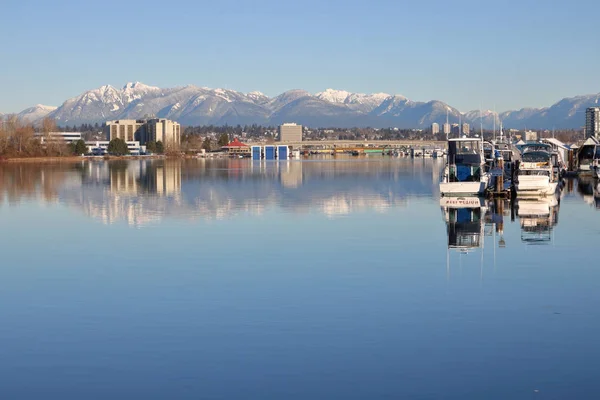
pixel 316 279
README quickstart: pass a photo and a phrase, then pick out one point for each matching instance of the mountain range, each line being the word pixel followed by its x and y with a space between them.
pixel 192 105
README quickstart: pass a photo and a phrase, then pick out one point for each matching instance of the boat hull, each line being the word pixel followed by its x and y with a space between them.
pixel 462 188
pixel 535 186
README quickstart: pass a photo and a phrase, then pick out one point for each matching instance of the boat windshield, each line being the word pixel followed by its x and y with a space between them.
pixel 536 156
pixel 541 172
pixel 536 147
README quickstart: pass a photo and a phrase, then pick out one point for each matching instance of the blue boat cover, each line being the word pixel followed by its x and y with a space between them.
pixel 463 172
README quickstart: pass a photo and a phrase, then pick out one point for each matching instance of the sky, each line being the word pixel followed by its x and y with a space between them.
pixel 470 54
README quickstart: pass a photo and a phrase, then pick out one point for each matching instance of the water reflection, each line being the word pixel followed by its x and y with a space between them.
pixel 145 191
pixel 464 222
pixel 469 220
pixel 538 217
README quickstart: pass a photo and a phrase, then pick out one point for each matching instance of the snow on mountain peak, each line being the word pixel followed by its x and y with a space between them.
pixel 333 95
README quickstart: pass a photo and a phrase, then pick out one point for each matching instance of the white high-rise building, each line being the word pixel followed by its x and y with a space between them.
pixel 447 128
pixel 466 129
pixel 435 128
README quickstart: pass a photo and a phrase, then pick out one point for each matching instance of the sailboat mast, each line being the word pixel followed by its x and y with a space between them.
pixel 447 127
pixel 480 124
pixel 494 123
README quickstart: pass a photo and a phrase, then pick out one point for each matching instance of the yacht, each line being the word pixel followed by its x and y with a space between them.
pixel 536 175
pixel 465 172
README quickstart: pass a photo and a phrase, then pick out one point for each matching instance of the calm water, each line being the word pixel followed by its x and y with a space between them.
pixel 295 280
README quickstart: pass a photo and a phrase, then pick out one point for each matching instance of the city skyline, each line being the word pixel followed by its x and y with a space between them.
pixel 406 49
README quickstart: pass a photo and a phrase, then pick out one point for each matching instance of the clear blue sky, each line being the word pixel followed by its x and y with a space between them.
pixel 505 54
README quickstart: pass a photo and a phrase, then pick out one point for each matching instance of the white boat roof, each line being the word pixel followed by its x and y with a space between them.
pixel 590 141
pixel 556 142
pixel 464 139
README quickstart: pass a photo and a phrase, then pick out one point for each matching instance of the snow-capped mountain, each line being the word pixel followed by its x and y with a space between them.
pixel 35 113
pixel 192 105
pixel 356 101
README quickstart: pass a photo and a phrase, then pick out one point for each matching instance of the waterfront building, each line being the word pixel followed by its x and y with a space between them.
pixel 157 130
pixel 66 137
pixel 435 128
pixel 592 122
pixel 447 128
pixel 290 132
pixel 238 148
pixel 466 129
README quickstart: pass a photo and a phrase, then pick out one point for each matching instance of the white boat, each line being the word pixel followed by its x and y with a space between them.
pixel 536 175
pixel 465 172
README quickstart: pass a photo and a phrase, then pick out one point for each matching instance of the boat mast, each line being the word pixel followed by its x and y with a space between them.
pixel 480 124
pixel 494 123
pixel 447 124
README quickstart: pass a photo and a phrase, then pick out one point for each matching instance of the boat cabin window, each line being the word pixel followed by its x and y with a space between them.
pixel 468 147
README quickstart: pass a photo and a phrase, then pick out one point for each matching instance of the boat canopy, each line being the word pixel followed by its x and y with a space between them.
pixel 465 151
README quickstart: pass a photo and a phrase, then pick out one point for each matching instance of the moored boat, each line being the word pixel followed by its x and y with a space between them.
pixel 465 172
pixel 536 175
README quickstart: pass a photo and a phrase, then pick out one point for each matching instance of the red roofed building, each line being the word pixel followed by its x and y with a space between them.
pixel 237 148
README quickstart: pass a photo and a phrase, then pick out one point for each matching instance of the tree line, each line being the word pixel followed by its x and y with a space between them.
pixel 19 139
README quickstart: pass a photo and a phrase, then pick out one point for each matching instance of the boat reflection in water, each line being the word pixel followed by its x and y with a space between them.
pixel 589 189
pixel 538 217
pixel 464 218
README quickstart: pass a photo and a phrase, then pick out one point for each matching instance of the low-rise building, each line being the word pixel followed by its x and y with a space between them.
pixel 238 148
pixel 66 137
pixel 100 147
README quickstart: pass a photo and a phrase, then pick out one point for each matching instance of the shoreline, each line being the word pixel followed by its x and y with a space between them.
pixel 76 158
